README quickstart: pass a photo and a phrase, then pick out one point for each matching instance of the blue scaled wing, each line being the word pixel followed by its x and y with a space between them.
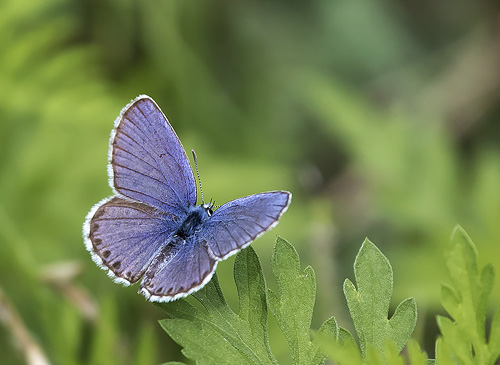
pixel 147 161
pixel 182 267
pixel 125 236
pixel 237 223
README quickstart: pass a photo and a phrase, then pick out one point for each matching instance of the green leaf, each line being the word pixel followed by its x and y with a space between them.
pixel 252 289
pixel 467 300
pixel 330 329
pixel 373 356
pixel 459 348
pixel 487 279
pixel 292 305
pixel 345 338
pixel 391 354
pixel 415 354
pixel 197 339
pixel 351 353
pixel 443 355
pixel 341 348
pixel 450 299
pixel 241 338
pixel 369 304
pixel 494 344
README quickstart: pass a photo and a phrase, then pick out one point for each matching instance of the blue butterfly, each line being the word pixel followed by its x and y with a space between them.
pixel 152 227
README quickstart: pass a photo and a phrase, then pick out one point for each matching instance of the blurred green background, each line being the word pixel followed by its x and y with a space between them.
pixel 380 116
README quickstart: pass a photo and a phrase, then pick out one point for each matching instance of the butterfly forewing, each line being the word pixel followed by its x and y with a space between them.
pixel 148 163
pixel 238 222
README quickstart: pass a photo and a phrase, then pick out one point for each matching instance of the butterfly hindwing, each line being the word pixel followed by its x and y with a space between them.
pixel 183 266
pixel 237 223
pixel 147 160
pixel 125 236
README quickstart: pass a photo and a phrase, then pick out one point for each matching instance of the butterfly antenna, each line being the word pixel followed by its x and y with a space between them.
pixel 198 174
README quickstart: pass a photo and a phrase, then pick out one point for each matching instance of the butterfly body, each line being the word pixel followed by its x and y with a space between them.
pixel 152 228
pixel 194 221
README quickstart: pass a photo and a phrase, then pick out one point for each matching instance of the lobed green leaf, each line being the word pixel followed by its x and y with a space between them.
pixel 342 349
pixel 293 304
pixel 467 300
pixel 369 304
pixel 415 354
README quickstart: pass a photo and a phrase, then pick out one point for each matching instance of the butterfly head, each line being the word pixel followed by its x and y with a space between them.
pixel 209 208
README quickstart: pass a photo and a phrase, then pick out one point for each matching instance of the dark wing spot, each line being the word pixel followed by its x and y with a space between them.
pixel 117 264
pixel 97 241
pixel 106 254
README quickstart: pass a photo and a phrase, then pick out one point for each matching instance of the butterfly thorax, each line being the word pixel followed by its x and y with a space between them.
pixel 192 224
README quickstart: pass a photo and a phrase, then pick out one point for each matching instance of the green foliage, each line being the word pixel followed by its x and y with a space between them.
pixel 464 337
pixel 369 305
pixel 293 305
pixel 218 335
pixel 381 339
pixel 243 338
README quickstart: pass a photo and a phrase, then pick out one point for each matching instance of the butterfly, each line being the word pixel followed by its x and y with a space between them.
pixel 151 228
